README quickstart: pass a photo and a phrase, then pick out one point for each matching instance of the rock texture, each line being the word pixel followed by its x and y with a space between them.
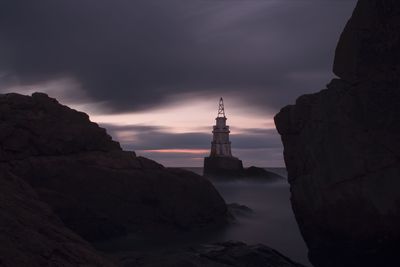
pixel 342 147
pixel 97 189
pixel 224 254
pixel 31 235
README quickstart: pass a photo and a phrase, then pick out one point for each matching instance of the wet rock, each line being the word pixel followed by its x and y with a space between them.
pixel 342 147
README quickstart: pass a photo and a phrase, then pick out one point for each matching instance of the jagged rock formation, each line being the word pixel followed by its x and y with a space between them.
pixel 31 235
pixel 97 189
pixel 342 147
pixel 224 254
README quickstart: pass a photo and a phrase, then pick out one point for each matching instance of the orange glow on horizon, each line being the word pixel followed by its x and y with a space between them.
pixel 184 151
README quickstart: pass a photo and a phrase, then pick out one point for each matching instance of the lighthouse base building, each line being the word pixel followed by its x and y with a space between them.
pixel 221 161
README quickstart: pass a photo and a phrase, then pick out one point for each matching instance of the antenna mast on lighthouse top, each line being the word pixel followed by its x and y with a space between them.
pixel 221 109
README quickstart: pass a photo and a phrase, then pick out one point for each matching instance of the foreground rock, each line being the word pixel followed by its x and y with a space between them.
pixel 225 254
pixel 31 235
pixel 342 147
pixel 98 190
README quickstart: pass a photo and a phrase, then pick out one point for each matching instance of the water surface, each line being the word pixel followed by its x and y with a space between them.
pixel 271 223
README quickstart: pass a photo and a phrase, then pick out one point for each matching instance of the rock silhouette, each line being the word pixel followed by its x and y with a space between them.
pixel 97 189
pixel 342 147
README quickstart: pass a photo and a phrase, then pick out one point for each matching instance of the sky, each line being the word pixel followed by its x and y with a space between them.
pixel 152 71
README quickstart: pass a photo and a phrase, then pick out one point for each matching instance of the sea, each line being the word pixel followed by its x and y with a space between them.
pixel 271 221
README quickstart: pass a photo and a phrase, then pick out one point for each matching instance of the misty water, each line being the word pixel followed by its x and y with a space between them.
pixel 271 223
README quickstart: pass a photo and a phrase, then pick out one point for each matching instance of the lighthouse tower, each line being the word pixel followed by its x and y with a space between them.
pixel 221 162
pixel 221 146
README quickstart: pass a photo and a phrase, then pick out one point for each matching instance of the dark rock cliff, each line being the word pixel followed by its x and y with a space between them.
pixel 97 189
pixel 342 147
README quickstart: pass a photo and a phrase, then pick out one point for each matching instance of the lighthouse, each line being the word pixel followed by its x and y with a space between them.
pixel 221 161
pixel 220 145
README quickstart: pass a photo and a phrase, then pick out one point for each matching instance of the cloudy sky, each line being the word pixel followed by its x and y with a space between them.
pixel 152 71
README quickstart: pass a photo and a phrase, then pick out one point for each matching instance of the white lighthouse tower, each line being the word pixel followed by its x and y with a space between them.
pixel 221 146
pixel 221 162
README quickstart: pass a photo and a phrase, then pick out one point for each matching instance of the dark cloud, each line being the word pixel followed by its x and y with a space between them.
pixel 136 54
pixel 137 128
pixel 257 141
pixel 143 137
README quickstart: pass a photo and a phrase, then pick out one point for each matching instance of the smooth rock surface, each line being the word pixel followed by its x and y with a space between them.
pixel 98 190
pixel 342 147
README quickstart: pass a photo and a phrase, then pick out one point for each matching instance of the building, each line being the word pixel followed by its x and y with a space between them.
pixel 221 161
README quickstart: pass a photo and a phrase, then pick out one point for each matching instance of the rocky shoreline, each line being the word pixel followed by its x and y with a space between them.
pixel 66 182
